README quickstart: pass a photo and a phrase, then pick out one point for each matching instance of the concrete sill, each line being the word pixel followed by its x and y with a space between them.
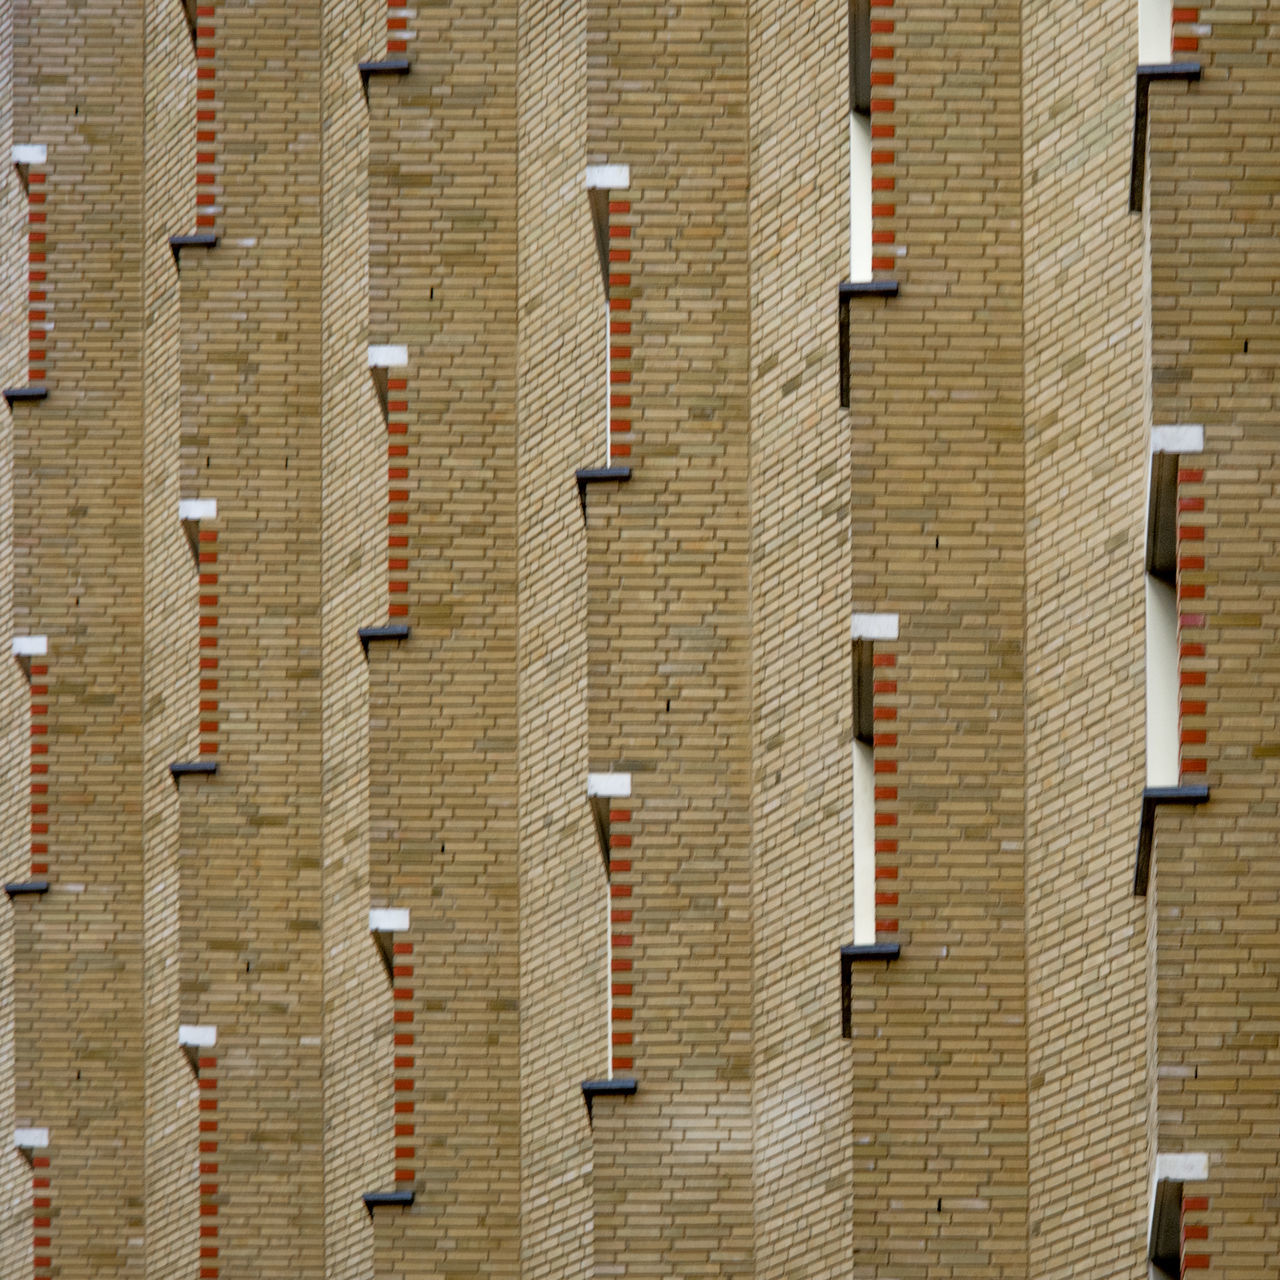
pixel 597 475
pixel 24 888
pixel 371 635
pixel 386 67
pixel 850 290
pixel 13 395
pixel 202 240
pixel 386 1200
pixel 196 768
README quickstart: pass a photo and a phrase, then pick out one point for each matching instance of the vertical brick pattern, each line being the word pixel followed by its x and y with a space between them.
pixel 668 639
pixel 1213 347
pixel 1195 1234
pixel 561 374
pixel 623 925
pixel 803 453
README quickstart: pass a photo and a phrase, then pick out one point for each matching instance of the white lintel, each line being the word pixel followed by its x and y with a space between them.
pixel 30 1139
pixel 1184 1166
pixel 389 920
pixel 198 509
pixel 388 357
pixel 197 1037
pixel 608 177
pixel 30 646
pixel 30 153
pixel 1178 439
pixel 875 626
pixel 608 786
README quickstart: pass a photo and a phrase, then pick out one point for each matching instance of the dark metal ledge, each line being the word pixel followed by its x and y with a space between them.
pixel 596 475
pixel 1152 799
pixel 1148 73
pixel 13 394
pixel 622 1087
pixel 368 635
pixel 849 956
pixel 193 769
pixel 22 888
pixel 848 291
pixel 203 240
pixel 387 67
pixel 386 1199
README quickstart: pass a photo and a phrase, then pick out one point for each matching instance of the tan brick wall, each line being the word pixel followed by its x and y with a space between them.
pixel 1213 335
pixel 1086 440
pixel 1043 1035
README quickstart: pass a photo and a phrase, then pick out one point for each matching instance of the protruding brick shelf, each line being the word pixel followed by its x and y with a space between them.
pixel 26 888
pixel 202 240
pixel 384 67
pixel 848 292
pixel 1148 73
pixel 619 1087
pixel 855 954
pixel 597 475
pixel 1152 799
pixel 195 768
pixel 375 635
pixel 15 395
pixel 387 1200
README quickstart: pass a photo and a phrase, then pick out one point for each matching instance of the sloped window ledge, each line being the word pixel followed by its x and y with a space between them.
pixel 386 1200
pixel 849 290
pixel 597 475
pixel 377 635
pixel 22 395
pixel 1152 799
pixel 382 67
pixel 202 240
pixel 1148 74
pixel 859 953
pixel 26 888
pixel 192 769
pixel 621 1087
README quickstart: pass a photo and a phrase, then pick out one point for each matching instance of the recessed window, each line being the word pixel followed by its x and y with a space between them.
pixel 859 140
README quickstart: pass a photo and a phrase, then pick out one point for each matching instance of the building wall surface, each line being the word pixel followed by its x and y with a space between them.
pixel 506 484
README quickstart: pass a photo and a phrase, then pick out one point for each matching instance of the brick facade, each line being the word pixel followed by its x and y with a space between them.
pixel 371 476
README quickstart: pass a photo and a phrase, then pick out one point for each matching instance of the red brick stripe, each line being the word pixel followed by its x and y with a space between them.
pixel 397 28
pixel 885 764
pixel 397 496
pixel 882 133
pixel 207 1086
pixel 208 643
pixel 41 1218
pixel 1192 669
pixel 208 171
pixel 620 343
pixel 37 279
pixel 623 938
pixel 39 757
pixel 1184 40
pixel 403 1085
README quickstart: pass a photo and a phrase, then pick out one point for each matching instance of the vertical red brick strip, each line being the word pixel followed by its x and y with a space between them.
pixel 208 643
pixel 37 279
pixel 1191 620
pixel 39 769
pixel 882 133
pixel 207 1082
pixel 886 792
pixel 41 1217
pixel 403 1064
pixel 206 119
pixel 1185 41
pixel 1195 1234
pixel 397 497
pixel 622 936
pixel 619 330
pixel 397 28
